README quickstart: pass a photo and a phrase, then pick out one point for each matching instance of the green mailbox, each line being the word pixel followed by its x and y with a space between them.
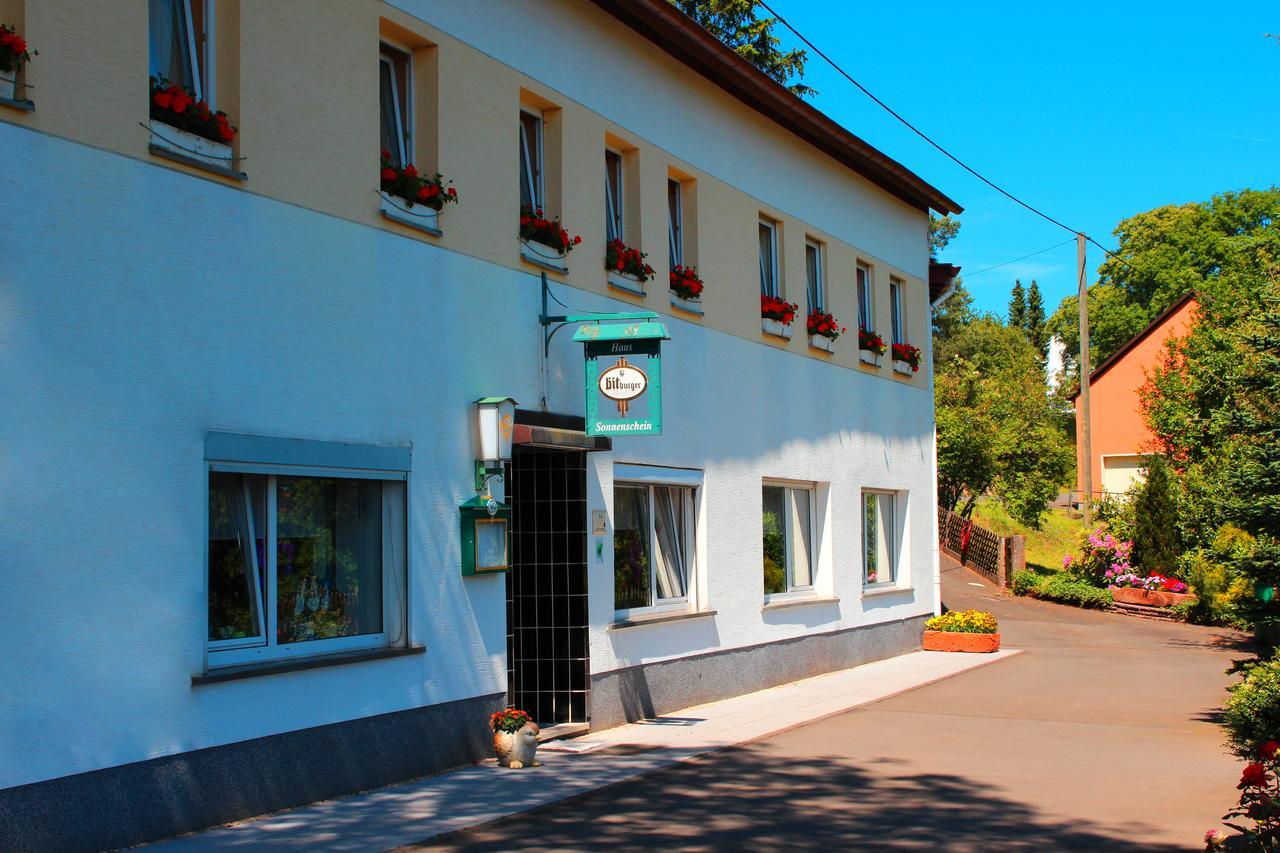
pixel 486 536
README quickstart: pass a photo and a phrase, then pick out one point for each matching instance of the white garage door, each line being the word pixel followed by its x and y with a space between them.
pixel 1119 473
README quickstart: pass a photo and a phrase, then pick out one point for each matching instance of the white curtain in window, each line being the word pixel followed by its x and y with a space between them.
pixel 878 532
pixel 395 561
pixel 672 566
pixel 802 538
pixel 172 43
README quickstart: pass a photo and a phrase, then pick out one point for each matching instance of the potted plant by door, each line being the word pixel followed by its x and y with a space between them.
pixel 962 631
pixel 823 331
pixel 13 52
pixel 515 738
pixel 184 125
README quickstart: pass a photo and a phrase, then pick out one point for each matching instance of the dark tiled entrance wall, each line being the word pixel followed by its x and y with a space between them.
pixel 547 586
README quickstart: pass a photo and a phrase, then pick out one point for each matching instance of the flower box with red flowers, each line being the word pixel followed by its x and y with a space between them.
pixel 411 198
pixel 544 241
pixel 776 316
pixel 870 347
pixel 184 125
pixel 13 53
pixel 906 358
pixel 824 329
pixel 626 267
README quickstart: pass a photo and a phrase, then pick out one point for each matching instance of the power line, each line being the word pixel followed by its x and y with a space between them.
pixel 1023 258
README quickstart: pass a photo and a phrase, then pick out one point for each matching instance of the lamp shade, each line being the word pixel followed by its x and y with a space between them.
pixel 495 420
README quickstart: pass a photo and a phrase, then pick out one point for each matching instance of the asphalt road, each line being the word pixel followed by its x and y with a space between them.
pixel 1100 736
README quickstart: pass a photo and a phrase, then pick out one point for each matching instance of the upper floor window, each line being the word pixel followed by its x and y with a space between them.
pixel 866 299
pixel 897 309
pixel 814 275
pixel 179 44
pixel 530 159
pixel 769 283
pixel 675 221
pixel 652 545
pixel 788 538
pixel 613 220
pixel 879 538
pixel 396 104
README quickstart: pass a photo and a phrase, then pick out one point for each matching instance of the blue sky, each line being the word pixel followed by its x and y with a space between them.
pixel 1090 111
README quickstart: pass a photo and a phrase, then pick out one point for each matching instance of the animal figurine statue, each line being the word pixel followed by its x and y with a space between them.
pixel 516 749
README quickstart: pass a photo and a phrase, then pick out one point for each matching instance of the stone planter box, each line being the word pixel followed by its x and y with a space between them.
pixel 542 255
pixel 866 356
pixel 953 641
pixel 903 368
pixel 822 342
pixel 1148 597
pixel 206 151
pixel 693 306
pixel 419 216
pixel 8 84
pixel 775 328
pixel 626 283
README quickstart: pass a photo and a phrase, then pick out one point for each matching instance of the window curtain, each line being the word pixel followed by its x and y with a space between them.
pixel 171 43
pixel 672 567
pixel 395 561
pixel 802 554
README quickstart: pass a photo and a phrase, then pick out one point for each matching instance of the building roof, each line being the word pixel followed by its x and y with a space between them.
pixel 941 277
pixel 1115 357
pixel 679 35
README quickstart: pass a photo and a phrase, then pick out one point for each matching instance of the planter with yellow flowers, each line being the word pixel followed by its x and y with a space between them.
pixel 962 631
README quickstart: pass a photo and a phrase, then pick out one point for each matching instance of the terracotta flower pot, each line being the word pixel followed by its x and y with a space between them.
pixel 1148 597
pixel 954 641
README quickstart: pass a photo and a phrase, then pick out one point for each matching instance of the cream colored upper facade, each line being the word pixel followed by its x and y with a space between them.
pixel 299 80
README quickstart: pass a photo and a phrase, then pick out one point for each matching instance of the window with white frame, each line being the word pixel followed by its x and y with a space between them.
pixel 396 104
pixel 613 196
pixel 898 309
pixel 814 273
pixel 303 561
pixel 769 284
pixel 675 221
pixel 879 538
pixel 180 36
pixel 866 299
pixel 788 538
pixel 653 545
pixel 530 159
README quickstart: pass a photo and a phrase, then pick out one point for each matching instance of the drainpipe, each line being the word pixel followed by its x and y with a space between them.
pixel 937 547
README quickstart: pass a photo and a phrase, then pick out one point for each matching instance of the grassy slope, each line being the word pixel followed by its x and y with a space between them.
pixel 1059 533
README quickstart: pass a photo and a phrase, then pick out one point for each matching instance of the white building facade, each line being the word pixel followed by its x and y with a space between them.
pixel 238 416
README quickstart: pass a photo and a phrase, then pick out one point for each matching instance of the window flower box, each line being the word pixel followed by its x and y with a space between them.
pixel 908 356
pixel 184 125
pixel 823 330
pixel 692 306
pixel 626 267
pixel 868 357
pixel 411 198
pixel 903 368
pixel 870 347
pixel 544 242
pixel 775 327
pixel 685 283
pixel 776 316
pixel 626 283
pixel 13 52
pixel 822 342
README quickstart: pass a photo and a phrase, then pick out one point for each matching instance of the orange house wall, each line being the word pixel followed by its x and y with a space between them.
pixel 1116 413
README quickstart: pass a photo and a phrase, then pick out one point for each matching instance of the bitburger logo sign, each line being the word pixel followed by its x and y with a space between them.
pixel 622 383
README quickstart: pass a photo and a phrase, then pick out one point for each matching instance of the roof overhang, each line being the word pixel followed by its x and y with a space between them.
pixel 942 281
pixel 679 35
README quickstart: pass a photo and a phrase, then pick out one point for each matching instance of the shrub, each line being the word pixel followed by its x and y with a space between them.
pixel 1065 589
pixel 1155 530
pixel 1102 558
pixel 1117 514
pixel 1223 595
pixel 963 622
pixel 1252 712
pixel 1025 582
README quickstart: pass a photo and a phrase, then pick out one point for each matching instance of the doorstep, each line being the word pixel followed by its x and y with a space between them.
pixel 412 812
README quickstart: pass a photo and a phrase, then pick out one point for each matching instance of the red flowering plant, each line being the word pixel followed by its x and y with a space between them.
pixel 1259 802
pixel 536 227
pixel 774 308
pixel 13 49
pixel 178 107
pixel 685 282
pixel 431 191
pixel 907 353
pixel 825 325
pixel 619 257
pixel 511 720
pixel 870 341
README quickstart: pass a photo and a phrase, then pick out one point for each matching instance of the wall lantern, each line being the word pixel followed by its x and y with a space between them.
pixel 486 537
pixel 495 422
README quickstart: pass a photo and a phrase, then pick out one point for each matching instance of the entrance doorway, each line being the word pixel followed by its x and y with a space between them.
pixel 547 663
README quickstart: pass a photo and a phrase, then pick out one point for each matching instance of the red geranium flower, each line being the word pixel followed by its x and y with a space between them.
pixel 388 174
pixel 1254 775
pixel 1269 749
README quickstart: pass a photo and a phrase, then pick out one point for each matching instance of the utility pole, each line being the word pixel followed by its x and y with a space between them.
pixel 1084 439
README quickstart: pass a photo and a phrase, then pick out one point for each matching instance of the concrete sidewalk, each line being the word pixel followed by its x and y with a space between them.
pixel 416 811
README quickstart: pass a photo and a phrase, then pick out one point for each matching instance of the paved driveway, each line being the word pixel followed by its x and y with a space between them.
pixel 1099 737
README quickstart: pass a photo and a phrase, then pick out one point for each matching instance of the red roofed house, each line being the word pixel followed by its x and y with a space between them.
pixel 1119 434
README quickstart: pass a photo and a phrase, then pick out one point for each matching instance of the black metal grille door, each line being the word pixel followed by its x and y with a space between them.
pixel 547 665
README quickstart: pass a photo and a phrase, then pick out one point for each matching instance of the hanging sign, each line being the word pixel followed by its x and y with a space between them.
pixel 624 377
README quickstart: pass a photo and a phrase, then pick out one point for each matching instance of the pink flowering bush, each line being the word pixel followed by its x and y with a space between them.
pixel 1102 558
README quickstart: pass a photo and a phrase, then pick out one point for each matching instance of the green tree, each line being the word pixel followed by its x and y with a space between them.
pixel 1018 306
pixel 1155 530
pixel 1037 331
pixel 736 24
pixel 942 230
pixel 953 314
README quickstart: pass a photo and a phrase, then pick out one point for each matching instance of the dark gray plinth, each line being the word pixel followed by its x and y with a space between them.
pixel 154 799
pixel 647 690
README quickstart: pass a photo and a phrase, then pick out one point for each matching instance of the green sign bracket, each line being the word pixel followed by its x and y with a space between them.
pixel 559 321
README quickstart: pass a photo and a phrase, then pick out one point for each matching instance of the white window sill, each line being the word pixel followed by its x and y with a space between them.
pixel 775 328
pixel 903 368
pixel 419 216
pixel 883 589
pixel 626 283
pixel 542 255
pixel 275 667
pixel 657 618
pixel 787 603
pixel 866 356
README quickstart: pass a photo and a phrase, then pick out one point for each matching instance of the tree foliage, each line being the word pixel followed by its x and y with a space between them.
pixel 1018 306
pixel 1155 531
pixel 1037 331
pixel 942 230
pixel 736 24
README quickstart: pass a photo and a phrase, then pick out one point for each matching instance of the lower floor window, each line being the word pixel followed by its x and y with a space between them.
pixel 652 545
pixel 788 538
pixel 303 564
pixel 879 536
